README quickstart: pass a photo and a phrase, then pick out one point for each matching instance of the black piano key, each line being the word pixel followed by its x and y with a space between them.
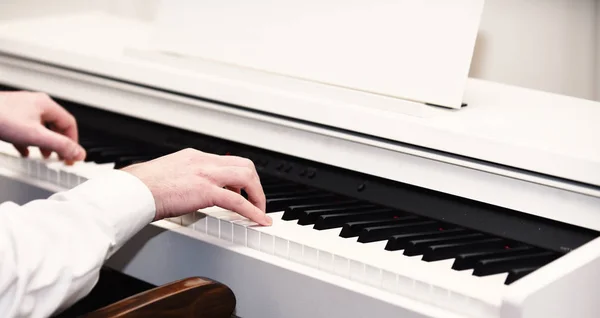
pixel 280 203
pixel 270 178
pixel 88 143
pixel 292 212
pixel 125 161
pixel 450 250
pixel 94 154
pixel 378 233
pixel 400 242
pixel 330 221
pixel 518 273
pixel 503 264
pixel 468 260
pixel 310 216
pixel 352 229
pixel 417 247
pixel 114 155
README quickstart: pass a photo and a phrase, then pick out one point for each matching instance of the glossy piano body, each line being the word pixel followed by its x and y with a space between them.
pixel 515 174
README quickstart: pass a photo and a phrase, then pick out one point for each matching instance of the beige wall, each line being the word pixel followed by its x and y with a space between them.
pixel 550 45
pixel 10 9
pixel 542 44
pixel 142 9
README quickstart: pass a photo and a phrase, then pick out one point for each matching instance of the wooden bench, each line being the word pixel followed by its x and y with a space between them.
pixel 119 295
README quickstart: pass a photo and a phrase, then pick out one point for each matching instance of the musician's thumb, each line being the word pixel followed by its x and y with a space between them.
pixel 65 147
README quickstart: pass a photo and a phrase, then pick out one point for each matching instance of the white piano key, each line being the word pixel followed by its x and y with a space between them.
pixel 295 252
pixel 310 256
pixel 24 166
pixel 212 226
pixel 341 265
pixel 366 263
pixel 373 276
pixel 389 281
pixel 253 238
pixel 176 220
pixel 357 271
pixel 35 154
pixel 326 261
pixel 63 178
pixel 494 279
pixel 8 149
pixel 281 247
pixel 53 173
pixel 240 231
pixel 188 219
pixel 226 230
pixel 267 243
pixel 201 221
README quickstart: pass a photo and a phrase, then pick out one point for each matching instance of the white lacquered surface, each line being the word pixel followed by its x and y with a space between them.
pixel 536 131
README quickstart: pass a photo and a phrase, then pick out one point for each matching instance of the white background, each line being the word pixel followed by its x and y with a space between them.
pixel 552 45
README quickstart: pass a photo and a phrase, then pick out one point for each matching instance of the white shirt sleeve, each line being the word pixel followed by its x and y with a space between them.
pixel 51 251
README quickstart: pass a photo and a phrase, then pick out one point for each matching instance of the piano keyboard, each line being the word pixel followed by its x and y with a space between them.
pixel 365 242
pixel 363 254
pixel 312 226
pixel 389 248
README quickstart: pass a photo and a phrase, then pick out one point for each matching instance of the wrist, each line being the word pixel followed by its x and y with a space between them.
pixel 148 185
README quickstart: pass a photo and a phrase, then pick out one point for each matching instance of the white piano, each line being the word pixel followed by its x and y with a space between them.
pixel 399 187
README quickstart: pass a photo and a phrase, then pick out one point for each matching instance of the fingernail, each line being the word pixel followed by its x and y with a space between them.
pixel 75 152
pixel 268 220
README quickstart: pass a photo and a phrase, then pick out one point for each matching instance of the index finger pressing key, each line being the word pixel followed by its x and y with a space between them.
pixel 235 202
pixel 60 120
pixel 243 178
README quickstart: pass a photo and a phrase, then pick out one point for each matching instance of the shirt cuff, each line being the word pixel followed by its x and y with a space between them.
pixel 121 200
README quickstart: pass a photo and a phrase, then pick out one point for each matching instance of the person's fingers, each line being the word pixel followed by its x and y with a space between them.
pixel 59 119
pixel 46 153
pixel 242 178
pixel 234 189
pixel 23 150
pixel 234 202
pixel 64 146
pixel 247 163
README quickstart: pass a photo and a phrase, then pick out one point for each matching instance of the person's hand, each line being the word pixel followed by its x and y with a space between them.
pixel 34 119
pixel 189 180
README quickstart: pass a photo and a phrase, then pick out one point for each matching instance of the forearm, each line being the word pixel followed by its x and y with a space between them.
pixel 52 250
